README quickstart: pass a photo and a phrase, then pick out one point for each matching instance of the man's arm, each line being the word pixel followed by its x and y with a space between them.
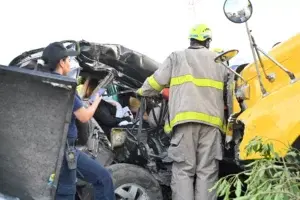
pixel 159 80
pixel 85 114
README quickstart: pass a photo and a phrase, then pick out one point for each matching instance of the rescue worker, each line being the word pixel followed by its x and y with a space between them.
pixel 57 59
pixel 196 108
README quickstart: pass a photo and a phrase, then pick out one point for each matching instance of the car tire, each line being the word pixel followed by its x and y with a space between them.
pixel 133 182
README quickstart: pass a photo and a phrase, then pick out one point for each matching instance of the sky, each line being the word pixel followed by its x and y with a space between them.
pixel 153 27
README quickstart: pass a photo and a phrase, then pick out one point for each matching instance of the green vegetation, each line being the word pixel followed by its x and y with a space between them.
pixel 270 178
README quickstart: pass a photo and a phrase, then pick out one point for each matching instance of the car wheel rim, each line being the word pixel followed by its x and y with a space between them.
pixel 131 192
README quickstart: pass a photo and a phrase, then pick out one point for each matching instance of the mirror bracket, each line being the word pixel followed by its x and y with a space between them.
pixel 240 11
pixel 271 77
pixel 225 57
pixel 262 88
pixel 289 73
pixel 235 73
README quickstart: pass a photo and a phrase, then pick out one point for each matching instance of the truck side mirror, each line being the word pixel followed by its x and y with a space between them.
pixel 238 11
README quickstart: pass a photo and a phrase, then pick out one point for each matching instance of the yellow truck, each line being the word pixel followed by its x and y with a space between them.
pixel 263 96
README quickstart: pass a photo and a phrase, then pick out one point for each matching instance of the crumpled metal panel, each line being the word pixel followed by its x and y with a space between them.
pixel 131 67
pixel 130 63
pixel 35 110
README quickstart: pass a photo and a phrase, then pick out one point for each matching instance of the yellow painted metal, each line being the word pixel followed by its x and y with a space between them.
pixel 275 117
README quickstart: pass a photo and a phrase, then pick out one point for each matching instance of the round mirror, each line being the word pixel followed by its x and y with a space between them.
pixel 226 56
pixel 238 11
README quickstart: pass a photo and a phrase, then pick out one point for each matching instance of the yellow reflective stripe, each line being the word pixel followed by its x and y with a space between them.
pixel 140 92
pixel 224 128
pixel 197 81
pixel 154 84
pixel 167 128
pixel 193 116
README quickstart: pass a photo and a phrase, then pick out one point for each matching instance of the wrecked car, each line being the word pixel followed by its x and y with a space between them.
pixel 134 150
pixel 133 145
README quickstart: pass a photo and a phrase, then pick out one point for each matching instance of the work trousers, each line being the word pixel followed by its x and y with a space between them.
pixel 89 170
pixel 196 150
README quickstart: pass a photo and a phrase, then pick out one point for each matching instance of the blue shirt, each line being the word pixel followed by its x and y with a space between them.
pixel 72 133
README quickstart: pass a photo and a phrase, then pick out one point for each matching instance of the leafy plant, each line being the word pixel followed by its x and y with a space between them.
pixel 270 178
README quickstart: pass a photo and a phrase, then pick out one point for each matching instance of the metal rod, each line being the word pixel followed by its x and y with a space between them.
pixel 259 58
pixel 290 74
pixel 263 90
pixel 234 72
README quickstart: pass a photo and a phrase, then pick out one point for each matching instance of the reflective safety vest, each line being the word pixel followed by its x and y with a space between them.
pixel 196 87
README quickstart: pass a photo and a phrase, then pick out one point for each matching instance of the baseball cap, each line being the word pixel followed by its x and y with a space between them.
pixel 56 51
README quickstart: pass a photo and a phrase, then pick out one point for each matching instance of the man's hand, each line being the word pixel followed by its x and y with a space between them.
pixel 85 114
pixel 97 96
pixel 165 93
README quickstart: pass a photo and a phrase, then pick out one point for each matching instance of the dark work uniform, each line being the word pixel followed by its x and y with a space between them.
pixel 88 169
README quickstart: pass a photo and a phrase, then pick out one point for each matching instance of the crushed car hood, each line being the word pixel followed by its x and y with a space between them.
pixel 131 67
pixel 124 60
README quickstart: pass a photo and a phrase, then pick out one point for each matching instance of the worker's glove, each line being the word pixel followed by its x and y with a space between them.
pixel 92 98
pixel 165 93
pixel 98 93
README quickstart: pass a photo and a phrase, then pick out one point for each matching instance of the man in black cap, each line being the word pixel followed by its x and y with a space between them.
pixel 57 59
